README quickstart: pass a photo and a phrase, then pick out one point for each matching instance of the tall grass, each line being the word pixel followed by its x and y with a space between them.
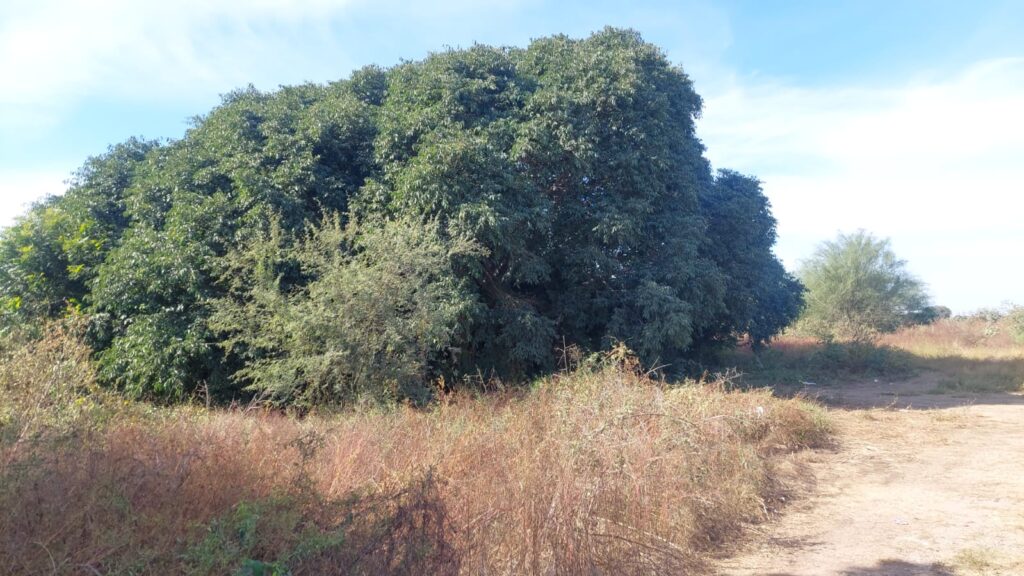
pixel 47 384
pixel 602 471
pixel 974 354
pixel 971 338
pixel 971 354
pixel 794 360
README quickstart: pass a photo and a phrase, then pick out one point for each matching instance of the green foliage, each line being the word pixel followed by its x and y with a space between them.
pixel 99 196
pixel 575 164
pixel 49 257
pixel 760 298
pixel 859 358
pixel 367 532
pixel 822 363
pixel 37 277
pixel 857 288
pixel 154 354
pixel 508 201
pixel 1015 319
pixel 930 314
pixel 378 317
pixel 149 291
pixel 231 542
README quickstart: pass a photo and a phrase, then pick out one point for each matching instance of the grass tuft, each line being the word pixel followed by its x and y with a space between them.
pixel 602 471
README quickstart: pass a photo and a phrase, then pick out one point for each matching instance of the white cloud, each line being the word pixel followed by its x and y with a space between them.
pixel 58 58
pixel 933 165
pixel 18 190
pixel 55 53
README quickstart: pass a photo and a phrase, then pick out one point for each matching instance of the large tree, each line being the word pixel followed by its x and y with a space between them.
pixel 547 196
pixel 760 296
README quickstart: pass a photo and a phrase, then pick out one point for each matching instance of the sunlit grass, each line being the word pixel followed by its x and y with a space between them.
pixel 602 471
pixel 970 355
pixel 964 355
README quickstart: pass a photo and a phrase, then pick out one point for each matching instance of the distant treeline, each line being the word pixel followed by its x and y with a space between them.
pixel 459 218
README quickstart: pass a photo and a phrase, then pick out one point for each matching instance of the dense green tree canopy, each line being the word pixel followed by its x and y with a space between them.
pixel 857 288
pixel 463 215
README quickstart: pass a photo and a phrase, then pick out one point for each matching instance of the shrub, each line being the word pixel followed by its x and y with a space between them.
pixel 860 358
pixel 387 530
pixel 930 314
pixel 47 383
pixel 1015 319
pixel 377 320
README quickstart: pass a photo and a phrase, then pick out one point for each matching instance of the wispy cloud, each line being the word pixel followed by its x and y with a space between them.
pixel 63 60
pixel 935 165
pixel 56 53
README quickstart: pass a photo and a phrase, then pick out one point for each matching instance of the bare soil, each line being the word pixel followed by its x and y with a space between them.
pixel 918 484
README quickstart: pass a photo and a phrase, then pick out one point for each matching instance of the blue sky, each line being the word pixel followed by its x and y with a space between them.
pixel 905 118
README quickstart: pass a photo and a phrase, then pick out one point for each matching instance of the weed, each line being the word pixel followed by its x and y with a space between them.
pixel 599 471
pixel 982 561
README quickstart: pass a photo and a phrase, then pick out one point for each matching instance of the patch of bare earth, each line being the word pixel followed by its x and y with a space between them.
pixel 918 484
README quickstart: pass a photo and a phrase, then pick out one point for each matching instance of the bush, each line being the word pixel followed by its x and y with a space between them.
pixel 857 288
pixel 860 358
pixel 930 314
pixel 1015 319
pixel 47 383
pixel 380 316
pixel 383 531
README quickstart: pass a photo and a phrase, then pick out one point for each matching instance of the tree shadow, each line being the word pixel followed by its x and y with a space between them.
pixel 889 568
pixel 868 376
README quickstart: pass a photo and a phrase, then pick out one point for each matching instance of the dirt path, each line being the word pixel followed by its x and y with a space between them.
pixel 919 484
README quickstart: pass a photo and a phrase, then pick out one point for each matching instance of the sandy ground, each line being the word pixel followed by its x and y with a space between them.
pixel 918 484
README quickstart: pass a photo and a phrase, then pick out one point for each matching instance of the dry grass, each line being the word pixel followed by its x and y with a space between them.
pixel 982 562
pixel 971 354
pixel 599 472
pixel 970 338
pixel 793 361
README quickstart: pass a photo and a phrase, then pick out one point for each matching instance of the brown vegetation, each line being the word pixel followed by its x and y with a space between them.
pixel 600 471
pixel 973 337
pixel 970 354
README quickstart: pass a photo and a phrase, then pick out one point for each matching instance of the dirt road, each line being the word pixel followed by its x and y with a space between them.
pixel 919 484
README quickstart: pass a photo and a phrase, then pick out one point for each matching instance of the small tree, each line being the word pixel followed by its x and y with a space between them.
pixel 857 288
